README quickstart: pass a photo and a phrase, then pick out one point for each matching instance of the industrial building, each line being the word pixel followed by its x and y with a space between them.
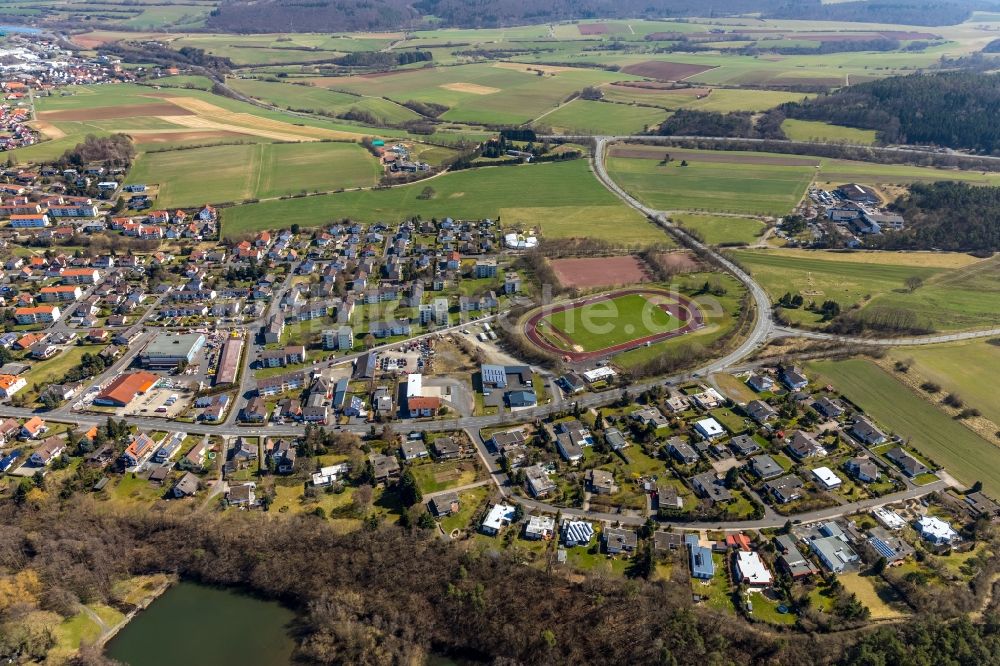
pixel 125 388
pixel 169 351
pixel 229 362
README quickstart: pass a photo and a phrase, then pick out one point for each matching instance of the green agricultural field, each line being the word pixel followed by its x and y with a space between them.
pixel 239 172
pixel 725 100
pixel 949 299
pixel 807 130
pixel 588 117
pixel 965 455
pixel 319 99
pixel 739 186
pixel 968 369
pixel 615 224
pixel 497 93
pixel 719 230
pixel 605 324
pixel 473 193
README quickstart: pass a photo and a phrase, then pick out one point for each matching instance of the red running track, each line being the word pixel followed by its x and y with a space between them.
pixel 684 309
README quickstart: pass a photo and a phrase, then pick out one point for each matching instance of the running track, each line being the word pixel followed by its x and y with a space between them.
pixel 685 310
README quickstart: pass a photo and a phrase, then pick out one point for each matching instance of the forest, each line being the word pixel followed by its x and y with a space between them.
pixel 947 216
pixel 349 15
pixel 741 125
pixel 391 595
pixel 953 109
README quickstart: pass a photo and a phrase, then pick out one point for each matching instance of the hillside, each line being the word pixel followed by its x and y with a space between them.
pixel 954 109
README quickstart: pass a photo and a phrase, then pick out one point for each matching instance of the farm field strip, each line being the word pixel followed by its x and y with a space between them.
pixel 560 188
pixel 965 455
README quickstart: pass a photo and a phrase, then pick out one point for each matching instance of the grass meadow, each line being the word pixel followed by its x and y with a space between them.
pixel 720 229
pixel 589 117
pixel 245 171
pixel 968 369
pixel 808 130
pixel 535 189
pixel 966 296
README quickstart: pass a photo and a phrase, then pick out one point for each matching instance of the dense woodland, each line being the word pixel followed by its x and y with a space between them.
pixel 394 595
pixel 947 216
pixel 953 109
pixel 741 125
pixel 346 15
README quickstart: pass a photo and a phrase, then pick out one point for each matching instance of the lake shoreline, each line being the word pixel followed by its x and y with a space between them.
pixel 143 604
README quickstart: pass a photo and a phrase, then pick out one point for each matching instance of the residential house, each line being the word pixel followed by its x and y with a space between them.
pixel 760 411
pixel 765 467
pixel 539 527
pixel 863 469
pixel 785 489
pixel 446 448
pixel 700 558
pixel 50 449
pixel 499 516
pixel 682 451
pixel 186 486
pixel 794 378
pixel 865 431
pixel 831 409
pixel 384 467
pixel 709 486
pixel 802 445
pixel 936 531
pixel 744 445
pixel 760 382
pixel 444 505
pixel 576 532
pixel 619 540
pixel 910 465
pixel 601 482
pixel 413 449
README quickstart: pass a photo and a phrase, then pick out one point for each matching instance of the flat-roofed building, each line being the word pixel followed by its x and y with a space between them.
pixel 169 351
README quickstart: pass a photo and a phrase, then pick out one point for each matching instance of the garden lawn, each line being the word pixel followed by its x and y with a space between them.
pixel 872 593
pixel 433 477
pixel 53 370
pixel 607 323
pixel 931 432
pixel 469 194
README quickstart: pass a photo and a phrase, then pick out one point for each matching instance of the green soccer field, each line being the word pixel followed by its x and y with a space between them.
pixel 601 325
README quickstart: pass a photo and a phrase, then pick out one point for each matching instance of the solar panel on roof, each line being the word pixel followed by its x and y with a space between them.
pixel 882 547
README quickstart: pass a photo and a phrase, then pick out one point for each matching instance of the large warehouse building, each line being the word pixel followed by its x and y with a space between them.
pixel 229 362
pixel 125 388
pixel 168 351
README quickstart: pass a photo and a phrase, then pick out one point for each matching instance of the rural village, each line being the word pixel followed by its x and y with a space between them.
pixel 713 389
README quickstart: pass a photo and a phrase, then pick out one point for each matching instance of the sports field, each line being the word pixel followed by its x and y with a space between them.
pixel 965 455
pixel 469 194
pixel 595 326
pixel 720 230
pixel 950 298
pixel 237 172
pixel 610 323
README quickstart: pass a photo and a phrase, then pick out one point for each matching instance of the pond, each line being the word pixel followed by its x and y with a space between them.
pixel 196 624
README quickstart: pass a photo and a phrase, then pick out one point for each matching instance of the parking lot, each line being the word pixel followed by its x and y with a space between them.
pixel 166 402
